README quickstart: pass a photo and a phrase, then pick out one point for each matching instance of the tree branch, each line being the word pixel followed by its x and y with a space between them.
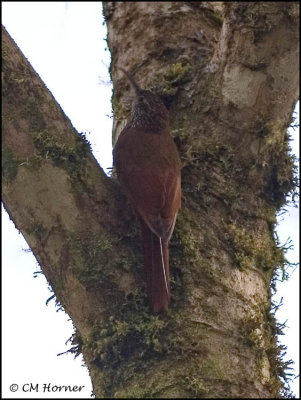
pixel 53 188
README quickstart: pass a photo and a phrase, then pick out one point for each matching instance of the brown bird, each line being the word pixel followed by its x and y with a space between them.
pixel 148 168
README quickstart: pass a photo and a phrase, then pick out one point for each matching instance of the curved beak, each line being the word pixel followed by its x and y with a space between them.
pixel 130 79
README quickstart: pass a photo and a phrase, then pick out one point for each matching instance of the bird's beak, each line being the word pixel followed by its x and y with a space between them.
pixel 134 85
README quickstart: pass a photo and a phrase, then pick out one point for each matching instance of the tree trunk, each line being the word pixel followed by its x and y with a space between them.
pixel 229 73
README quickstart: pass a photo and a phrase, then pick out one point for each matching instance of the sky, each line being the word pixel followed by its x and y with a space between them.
pixel 65 44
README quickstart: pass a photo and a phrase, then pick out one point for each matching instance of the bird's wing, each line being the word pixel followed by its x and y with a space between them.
pixel 156 196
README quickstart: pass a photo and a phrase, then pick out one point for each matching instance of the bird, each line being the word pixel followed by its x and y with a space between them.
pixel 148 168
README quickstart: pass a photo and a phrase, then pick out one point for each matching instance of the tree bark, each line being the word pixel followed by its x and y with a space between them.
pixel 229 73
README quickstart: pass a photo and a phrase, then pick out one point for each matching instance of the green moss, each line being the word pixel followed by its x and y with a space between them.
pixel 184 235
pixel 185 256
pixel 201 367
pixel 96 263
pixel 31 112
pixel 128 332
pixel 9 165
pixel 132 334
pixel 148 391
pixel 192 381
pixel 280 370
pixel 195 385
pixel 167 83
pixel 132 340
pixel 93 259
pixel 261 16
pixel 212 170
pixel 281 177
pixel 121 111
pixel 177 73
pixel 260 331
pixel 282 181
pixel 51 145
pixel 268 214
pixel 253 250
pixel 14 82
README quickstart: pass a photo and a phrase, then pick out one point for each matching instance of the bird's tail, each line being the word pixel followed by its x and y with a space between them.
pixel 156 264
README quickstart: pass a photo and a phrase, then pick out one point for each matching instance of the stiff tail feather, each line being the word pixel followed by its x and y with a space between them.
pixel 156 264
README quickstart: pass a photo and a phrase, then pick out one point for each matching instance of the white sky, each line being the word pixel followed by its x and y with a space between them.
pixel 64 42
